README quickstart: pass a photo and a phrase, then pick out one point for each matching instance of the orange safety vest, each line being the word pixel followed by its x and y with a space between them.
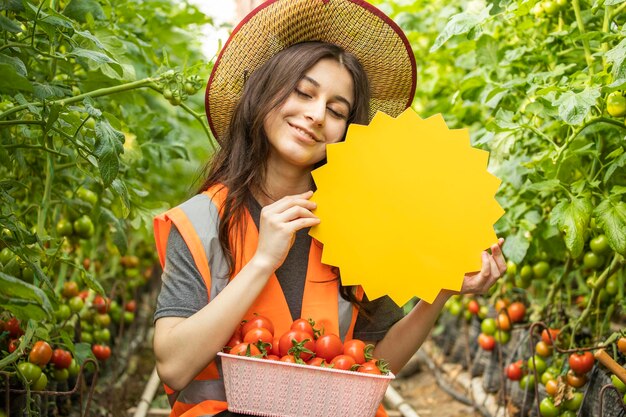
pixel 197 220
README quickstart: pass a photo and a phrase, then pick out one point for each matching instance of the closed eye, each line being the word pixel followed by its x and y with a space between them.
pixel 302 94
pixel 336 114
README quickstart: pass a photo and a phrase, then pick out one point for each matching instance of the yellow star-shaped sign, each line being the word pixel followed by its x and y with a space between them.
pixel 406 207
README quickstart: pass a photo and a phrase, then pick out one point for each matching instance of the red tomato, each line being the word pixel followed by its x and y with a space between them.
pixel 317 361
pixel 276 347
pixel 234 340
pixel 328 346
pixel 370 367
pixel 486 342
pixel 515 370
pixel 101 352
pixel 131 306
pixel 517 311
pixel 13 327
pixel 473 306
pixel 289 359
pixel 40 354
pixel 574 380
pixel 543 349
pixel 257 335
pixel 304 325
pixel 549 336
pixel 13 344
pixel 257 321
pixel 101 304
pixel 581 363
pixel 61 358
pixel 245 349
pixel 621 345
pixel 344 362
pixel 503 322
pixel 300 341
pixel 358 350
pixel 272 358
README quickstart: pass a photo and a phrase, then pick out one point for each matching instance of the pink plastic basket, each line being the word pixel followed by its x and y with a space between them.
pixel 279 389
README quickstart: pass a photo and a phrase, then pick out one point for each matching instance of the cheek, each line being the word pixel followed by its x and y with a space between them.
pixel 336 131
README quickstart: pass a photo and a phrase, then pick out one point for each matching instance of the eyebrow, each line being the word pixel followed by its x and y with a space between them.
pixel 337 97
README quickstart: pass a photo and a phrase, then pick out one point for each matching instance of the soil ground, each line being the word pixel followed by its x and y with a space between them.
pixel 423 393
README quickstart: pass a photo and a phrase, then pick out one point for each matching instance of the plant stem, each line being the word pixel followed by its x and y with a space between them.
pixel 557 285
pixel 581 28
pixel 615 265
pixel 559 154
pixel 43 208
pixel 146 82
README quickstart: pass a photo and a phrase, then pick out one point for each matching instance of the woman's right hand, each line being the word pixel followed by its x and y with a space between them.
pixel 278 226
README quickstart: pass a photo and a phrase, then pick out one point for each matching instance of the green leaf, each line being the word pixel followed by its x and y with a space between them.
pixel 617 57
pixel 611 215
pixel 17 63
pixel 574 108
pixel 487 52
pixel 82 351
pixel 92 55
pixel 9 25
pixel 19 291
pixel 613 2
pixel 572 217
pixel 46 91
pixel 11 80
pixel 91 281
pixel 613 166
pixel 515 247
pixel 459 24
pixel 109 145
pixel 122 192
pixel 55 109
pixel 118 232
pixel 21 348
pixel 78 10
pixel 548 186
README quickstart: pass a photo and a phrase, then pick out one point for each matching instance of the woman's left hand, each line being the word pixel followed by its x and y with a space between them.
pixel 493 267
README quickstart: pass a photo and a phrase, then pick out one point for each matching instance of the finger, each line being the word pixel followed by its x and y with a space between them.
pixel 496 252
pixel 494 271
pixel 302 223
pixel 288 202
pixel 293 213
pixel 500 241
pixel 486 266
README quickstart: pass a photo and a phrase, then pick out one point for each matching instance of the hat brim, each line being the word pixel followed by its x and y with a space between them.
pixel 355 25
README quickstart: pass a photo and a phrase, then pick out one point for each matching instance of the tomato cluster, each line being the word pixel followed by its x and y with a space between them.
pixel 303 344
pixel 44 362
pixel 498 329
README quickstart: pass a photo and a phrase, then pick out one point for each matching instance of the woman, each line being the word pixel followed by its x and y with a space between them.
pixel 241 246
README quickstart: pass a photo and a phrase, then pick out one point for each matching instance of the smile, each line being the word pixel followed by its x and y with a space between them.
pixel 306 133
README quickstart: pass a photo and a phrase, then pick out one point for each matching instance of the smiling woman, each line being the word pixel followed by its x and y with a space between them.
pixel 291 78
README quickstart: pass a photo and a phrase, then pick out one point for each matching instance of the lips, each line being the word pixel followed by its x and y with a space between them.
pixel 305 132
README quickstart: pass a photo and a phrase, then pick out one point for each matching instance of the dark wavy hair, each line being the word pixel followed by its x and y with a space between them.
pixel 240 163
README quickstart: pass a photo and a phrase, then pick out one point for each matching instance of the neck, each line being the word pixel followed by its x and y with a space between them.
pixel 282 180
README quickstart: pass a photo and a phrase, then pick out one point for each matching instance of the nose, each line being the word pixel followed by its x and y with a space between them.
pixel 316 112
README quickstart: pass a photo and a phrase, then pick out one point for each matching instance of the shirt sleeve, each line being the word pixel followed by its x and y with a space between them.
pixel 183 291
pixel 379 315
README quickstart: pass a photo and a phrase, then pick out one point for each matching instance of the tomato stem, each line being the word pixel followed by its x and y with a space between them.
pixel 581 28
pixel 559 154
pixel 43 208
pixel 559 282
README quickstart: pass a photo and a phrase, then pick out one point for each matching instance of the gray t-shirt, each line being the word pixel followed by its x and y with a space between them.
pixel 183 291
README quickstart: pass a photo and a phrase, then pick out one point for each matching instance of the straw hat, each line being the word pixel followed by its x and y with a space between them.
pixel 355 25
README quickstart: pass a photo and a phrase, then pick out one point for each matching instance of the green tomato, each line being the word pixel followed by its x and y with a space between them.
pixel 74 368
pixel 511 268
pixel 599 244
pixel 539 363
pixel 102 336
pixel 568 413
pixel 64 228
pixel 612 285
pixel 83 226
pixel 41 383
pixel 541 269
pixel 60 375
pixel 86 337
pixel 29 371
pixel 550 7
pixel 129 317
pixel 547 376
pixel 527 382
pixel 6 256
pixel 483 311
pixel 575 402
pixel 87 196
pixel 621 387
pixel 547 408
pixel 488 326
pixel 502 337
pixel 616 104
pixel 455 308
pixel 592 261
pixel 63 313
pixel 527 273
pixel 76 304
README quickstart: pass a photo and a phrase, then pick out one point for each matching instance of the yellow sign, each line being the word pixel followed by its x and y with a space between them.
pixel 406 207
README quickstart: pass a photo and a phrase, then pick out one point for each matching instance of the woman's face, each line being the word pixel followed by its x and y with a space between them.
pixel 314 115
